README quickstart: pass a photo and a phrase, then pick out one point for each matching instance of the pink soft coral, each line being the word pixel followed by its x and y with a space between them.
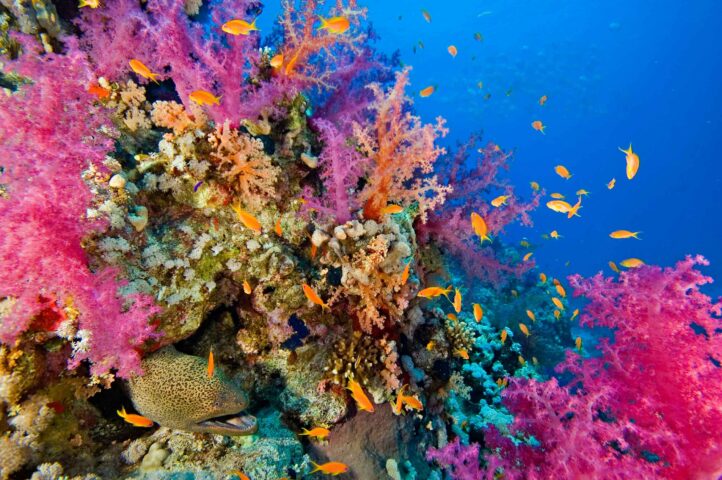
pixel 50 132
pixel 461 461
pixel 655 391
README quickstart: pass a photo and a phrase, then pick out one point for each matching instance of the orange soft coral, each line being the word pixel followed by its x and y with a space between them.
pixel 245 163
pixel 172 115
pixel 403 153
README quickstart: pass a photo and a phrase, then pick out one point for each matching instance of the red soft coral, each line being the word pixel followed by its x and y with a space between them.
pixel 50 132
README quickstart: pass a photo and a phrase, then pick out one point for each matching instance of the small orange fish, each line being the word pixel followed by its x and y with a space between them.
pixel 534 360
pixel 414 402
pixel 292 63
pixel 139 68
pixel 538 126
pixel 330 468
pixel 479 226
pixel 478 312
pixel 557 314
pixel 614 267
pixel 319 433
pixel 277 61
pixel 499 382
pixel 527 256
pixel 396 408
pixel 503 336
pixel 98 91
pixel 618 234
pixel 559 206
pixel 314 250
pixel 522 362
pixel 555 235
pixel 556 281
pixel 531 315
pixel 432 292
pixel 558 196
pixel 211 364
pixel 430 346
pixel 201 97
pixel 452 51
pixel 578 343
pixel 457 300
pixel 631 263
pixel 86 3
pixel 248 220
pixel 575 313
pixel 427 15
pixel 392 209
pixel 357 393
pixel 562 171
pixel 543 100
pixel 611 183
pixel 313 297
pixel 405 274
pixel 462 353
pixel 535 186
pixel 632 161
pixel 524 329
pixel 452 317
pixel 240 475
pixel 247 287
pixel 277 228
pixel 581 192
pixel 335 25
pixel 239 27
pixel 499 201
pixel 543 277
pixel 525 243
pixel 558 303
pixel 134 419
pixel 575 208
pixel 560 290
pixel 427 91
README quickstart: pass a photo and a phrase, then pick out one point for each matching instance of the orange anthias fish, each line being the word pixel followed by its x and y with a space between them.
pixel 202 97
pixel 618 234
pixel 499 201
pixel 557 196
pixel 239 27
pixel 98 91
pixel 543 277
pixel 426 14
pixel 277 228
pixel 240 475
pixel 575 208
pixel 527 256
pixel 405 274
pixel 581 192
pixel 558 303
pixel 631 263
pixel 522 362
pixel 613 266
pixel 538 126
pixel 479 226
pixel 319 433
pixel 452 317
pixel 457 300
pixel 88 3
pixel 462 353
pixel 432 292
pixel 478 312
pixel 292 63
pixel 557 314
pixel 543 100
pixel 611 183
pixel 560 290
pixel 427 91
pixel 248 220
pixel 562 171
pixel 559 206
pixel 452 51
pixel 396 408
pixel 555 235
pixel 135 420
pixel 414 402
pixel 211 364
pixel 534 186
pixel 531 315
pixel 247 287
pixel 330 468
pixel 138 67
pixel 578 343
pixel 503 336
pixel 524 329
pixel 313 296
pixel 392 209
pixel 335 25
pixel 357 393
pixel 276 61
pixel 632 161
pixel 575 313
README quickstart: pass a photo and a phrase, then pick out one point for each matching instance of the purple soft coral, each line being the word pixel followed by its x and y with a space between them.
pixel 461 461
pixel 50 132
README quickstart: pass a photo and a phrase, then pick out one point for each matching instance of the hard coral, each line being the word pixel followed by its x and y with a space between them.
pixel 402 153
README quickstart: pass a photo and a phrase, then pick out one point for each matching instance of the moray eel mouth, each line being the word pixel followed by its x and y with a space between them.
pixel 232 424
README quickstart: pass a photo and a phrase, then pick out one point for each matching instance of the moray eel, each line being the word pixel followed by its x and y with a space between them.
pixel 175 392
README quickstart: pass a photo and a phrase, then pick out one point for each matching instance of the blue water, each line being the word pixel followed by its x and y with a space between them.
pixel 615 72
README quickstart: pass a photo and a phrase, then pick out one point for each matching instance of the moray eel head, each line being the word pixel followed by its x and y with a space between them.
pixel 175 392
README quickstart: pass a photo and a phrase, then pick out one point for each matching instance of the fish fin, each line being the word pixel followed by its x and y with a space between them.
pixel 324 23
pixel 316 467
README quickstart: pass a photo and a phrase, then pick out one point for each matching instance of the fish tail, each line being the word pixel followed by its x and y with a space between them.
pixel 152 77
pixel 316 467
pixel 324 23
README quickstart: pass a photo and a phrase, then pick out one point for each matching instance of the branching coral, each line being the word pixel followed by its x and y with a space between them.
pixel 373 362
pixel 402 153
pixel 245 163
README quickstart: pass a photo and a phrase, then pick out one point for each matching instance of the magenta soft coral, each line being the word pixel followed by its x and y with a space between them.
pixel 461 461
pixel 655 391
pixel 50 132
